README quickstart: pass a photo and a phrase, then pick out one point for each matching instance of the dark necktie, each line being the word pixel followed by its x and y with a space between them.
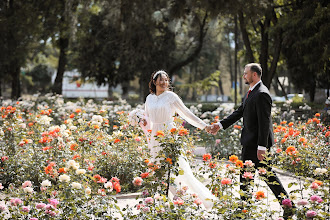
pixel 248 93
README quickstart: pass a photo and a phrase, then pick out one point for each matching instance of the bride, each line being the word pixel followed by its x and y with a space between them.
pixel 160 106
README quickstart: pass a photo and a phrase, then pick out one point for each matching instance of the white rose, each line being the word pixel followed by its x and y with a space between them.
pixel 28 189
pixel 108 185
pixel 88 191
pixel 22 125
pixel 64 178
pixel 46 183
pixel 80 171
pixel 73 164
pixel 80 120
pixel 73 128
pixel 76 185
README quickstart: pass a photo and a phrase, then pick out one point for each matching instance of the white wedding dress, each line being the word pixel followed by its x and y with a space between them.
pixel 159 111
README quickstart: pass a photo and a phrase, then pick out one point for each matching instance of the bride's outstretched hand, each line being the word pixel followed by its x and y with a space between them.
pixel 144 122
pixel 208 128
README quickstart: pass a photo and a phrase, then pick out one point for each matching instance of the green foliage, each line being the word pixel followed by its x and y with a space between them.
pixel 202 86
pixel 41 79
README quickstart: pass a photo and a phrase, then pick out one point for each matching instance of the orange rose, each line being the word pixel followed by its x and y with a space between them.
pixel 239 163
pixel 291 150
pixel 260 195
pixel 233 158
pixel 160 133
pixel 207 157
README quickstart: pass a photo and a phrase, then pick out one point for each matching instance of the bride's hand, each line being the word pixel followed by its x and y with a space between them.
pixel 144 122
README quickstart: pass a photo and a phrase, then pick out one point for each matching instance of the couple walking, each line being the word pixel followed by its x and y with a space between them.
pixel 257 134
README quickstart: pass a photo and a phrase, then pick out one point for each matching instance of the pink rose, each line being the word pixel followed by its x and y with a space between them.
pixel 316 198
pixel 40 205
pixel 248 175
pixel 149 200
pixel 137 181
pixel 302 202
pixel 198 201
pixel 311 214
pixel 226 181
pixel 25 208
pixel 53 202
pixel 249 163
pixel 287 203
pixel 27 184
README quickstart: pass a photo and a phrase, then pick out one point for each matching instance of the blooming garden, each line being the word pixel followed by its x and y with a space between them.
pixel 69 160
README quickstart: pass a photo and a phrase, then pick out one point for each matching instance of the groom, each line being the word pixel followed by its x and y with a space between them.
pixel 257 134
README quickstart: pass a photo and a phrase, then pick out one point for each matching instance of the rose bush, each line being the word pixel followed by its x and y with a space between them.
pixel 60 160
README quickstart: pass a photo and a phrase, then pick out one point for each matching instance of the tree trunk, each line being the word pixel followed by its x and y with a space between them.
pixel 263 58
pixel 268 74
pixel 202 34
pixel 57 87
pixel 15 83
pixel 245 36
pixel 144 85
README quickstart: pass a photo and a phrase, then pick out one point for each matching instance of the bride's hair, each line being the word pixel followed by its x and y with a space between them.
pixel 154 76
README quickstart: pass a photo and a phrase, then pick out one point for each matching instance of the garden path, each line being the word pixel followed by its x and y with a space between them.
pixel 286 179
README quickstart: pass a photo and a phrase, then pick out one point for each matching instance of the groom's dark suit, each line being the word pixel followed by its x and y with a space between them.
pixel 257 131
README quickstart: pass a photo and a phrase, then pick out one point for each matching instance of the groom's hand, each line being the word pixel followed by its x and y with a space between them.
pixel 261 154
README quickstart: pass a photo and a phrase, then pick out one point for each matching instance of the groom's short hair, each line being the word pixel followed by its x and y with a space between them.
pixel 255 67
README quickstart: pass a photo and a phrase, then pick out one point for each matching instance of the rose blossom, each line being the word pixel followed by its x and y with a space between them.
pixel 53 202
pixel 108 185
pixel 76 185
pixel 262 171
pixel 40 205
pixel 28 189
pixel 64 178
pixel 46 183
pixel 146 209
pixel 1 186
pixel 26 184
pixel 198 201
pixel 88 191
pixel 2 207
pixel 25 208
pixel 249 163
pixel 149 200
pixel 178 201
pixel 302 202
pixel 311 214
pixel 314 186
pixel 248 175
pixel 80 171
pixel 137 181
pixel 225 181
pixel 33 218
pixel 15 201
pixel 139 206
pixel 316 198
pixel 287 203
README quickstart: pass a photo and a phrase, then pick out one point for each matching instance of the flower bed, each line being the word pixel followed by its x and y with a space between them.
pixel 60 160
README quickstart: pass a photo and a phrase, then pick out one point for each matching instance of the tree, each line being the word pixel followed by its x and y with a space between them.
pixel 306 45
pixel 120 40
pixel 20 26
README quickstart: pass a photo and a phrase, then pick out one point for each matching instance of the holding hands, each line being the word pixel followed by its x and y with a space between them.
pixel 212 129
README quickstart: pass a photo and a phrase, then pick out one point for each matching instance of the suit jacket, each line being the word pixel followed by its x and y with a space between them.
pixel 257 121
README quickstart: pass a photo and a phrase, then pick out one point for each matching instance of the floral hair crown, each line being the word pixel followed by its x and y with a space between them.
pixel 159 72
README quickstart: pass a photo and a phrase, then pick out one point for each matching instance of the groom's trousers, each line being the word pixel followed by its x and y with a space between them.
pixel 272 180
